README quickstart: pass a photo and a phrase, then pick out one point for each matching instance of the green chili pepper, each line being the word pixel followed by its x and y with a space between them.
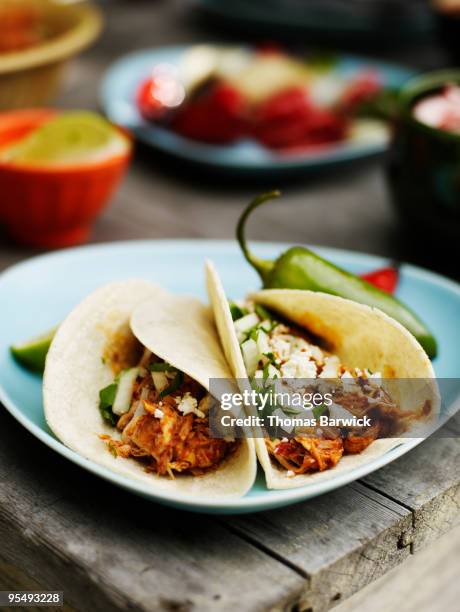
pixel 300 268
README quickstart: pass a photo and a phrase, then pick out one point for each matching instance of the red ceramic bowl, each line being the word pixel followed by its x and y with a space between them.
pixel 46 206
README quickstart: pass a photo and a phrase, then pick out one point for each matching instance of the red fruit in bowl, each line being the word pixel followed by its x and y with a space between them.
pixel 216 116
pixel 149 107
pixel 290 120
pixel 158 95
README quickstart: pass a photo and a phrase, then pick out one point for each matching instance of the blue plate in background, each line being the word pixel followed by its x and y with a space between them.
pixel 123 78
pixel 37 294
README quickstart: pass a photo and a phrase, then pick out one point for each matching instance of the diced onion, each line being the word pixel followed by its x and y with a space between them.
pixel 251 356
pixel 160 380
pixel 125 390
pixel 246 323
pixel 262 342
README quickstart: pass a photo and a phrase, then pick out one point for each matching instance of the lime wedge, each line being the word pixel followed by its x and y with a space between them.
pixel 70 138
pixel 32 353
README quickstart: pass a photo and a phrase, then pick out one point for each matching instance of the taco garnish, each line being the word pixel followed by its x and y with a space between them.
pixel 272 349
pixel 378 373
pixel 163 417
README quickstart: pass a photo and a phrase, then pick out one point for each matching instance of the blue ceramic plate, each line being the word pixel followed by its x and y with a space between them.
pixel 37 294
pixel 245 157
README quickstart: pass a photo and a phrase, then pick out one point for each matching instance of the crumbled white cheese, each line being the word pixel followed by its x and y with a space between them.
pixel 281 346
pixel 188 404
pixel 158 414
pixel 331 367
pixel 299 366
pixel 349 382
pixel 316 352
pixel 376 377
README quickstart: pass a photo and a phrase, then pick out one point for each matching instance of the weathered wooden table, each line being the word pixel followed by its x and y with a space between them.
pixel 63 529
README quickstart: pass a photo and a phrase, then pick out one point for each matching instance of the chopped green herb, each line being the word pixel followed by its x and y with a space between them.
pixel 236 311
pixel 106 399
pixel 263 313
pixel 318 410
pixel 253 333
pixel 292 411
pixel 174 386
pixel 162 367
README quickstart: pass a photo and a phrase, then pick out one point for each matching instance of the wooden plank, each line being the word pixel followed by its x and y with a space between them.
pixel 426 481
pixel 341 541
pixel 108 549
pixel 427 582
pixel 12 579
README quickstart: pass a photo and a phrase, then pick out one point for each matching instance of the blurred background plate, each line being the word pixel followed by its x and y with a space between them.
pixel 178 265
pixel 383 22
pixel 246 157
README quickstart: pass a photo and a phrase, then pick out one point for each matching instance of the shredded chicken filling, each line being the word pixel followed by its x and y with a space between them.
pixel 169 441
pixel 278 350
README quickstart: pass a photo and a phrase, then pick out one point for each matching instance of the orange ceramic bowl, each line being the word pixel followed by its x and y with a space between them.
pixel 51 207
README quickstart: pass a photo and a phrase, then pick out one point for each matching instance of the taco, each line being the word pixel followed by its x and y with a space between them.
pixel 377 367
pixel 126 389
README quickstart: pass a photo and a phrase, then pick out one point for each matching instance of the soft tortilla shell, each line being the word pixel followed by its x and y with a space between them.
pixel 75 373
pixel 361 336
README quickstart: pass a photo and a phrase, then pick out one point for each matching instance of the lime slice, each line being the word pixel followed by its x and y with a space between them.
pixel 32 353
pixel 69 138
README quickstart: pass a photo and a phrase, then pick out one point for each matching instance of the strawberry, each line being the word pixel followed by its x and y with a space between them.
pixel 216 116
pixel 289 119
pixel 150 107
